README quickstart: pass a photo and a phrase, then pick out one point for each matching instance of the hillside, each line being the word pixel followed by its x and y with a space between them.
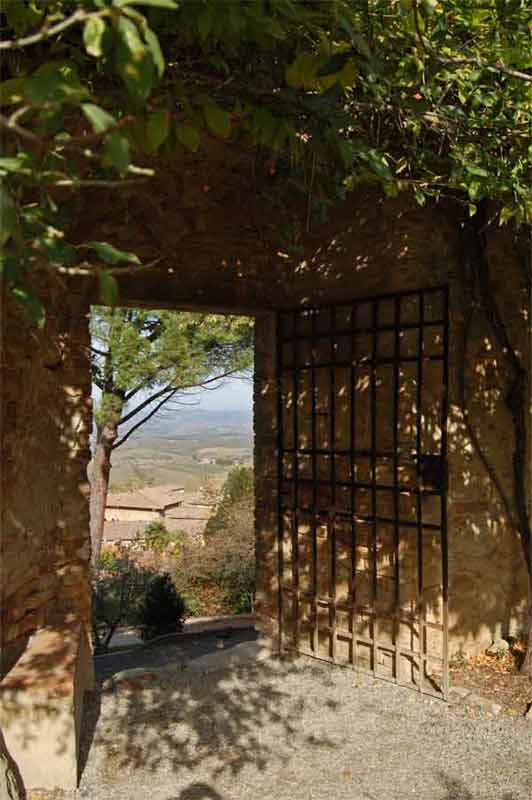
pixel 177 447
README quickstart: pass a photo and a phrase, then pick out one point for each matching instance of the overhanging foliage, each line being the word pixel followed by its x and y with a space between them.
pixel 418 95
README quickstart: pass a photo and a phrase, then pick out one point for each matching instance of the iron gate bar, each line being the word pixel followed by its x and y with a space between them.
pixel 443 502
pixel 402 488
pixel 314 520
pixel 397 354
pixel 373 459
pixel 418 656
pixel 419 418
pixel 352 439
pixel 379 362
pixel 366 518
pixel 305 310
pixel 332 522
pixel 384 328
pixel 280 472
pixel 295 514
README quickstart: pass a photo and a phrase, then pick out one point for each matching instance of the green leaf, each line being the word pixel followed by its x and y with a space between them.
pixel 334 65
pixel 9 268
pixel 108 288
pixel 21 16
pixel 302 73
pixel 11 91
pixel 32 304
pixel 420 197
pixel 111 255
pixel 205 21
pixel 189 137
pixel 93 33
pixel 479 171
pixel 134 62
pixel 55 82
pixel 155 49
pixel 507 213
pixel 11 164
pixel 117 150
pixel 218 120
pixel 157 129
pixel 8 215
pixel 130 36
pixel 100 119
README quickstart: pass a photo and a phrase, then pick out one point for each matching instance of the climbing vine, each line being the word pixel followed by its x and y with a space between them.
pixel 515 394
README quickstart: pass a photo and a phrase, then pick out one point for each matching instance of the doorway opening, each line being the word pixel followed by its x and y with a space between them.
pixel 171 475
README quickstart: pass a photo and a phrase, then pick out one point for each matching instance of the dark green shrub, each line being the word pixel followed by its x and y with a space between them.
pixel 162 610
pixel 237 576
pixel 118 589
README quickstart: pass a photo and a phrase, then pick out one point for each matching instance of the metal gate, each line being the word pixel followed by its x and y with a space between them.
pixel 362 485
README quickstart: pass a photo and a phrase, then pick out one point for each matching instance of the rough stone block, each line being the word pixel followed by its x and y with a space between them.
pixel 41 705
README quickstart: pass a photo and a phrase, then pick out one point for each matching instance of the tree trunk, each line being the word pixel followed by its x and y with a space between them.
pixel 101 470
pixel 11 786
pixel 526 667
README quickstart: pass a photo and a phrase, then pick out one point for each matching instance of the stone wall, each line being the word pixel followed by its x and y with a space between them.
pixel 388 247
pixel 45 424
pixel 369 246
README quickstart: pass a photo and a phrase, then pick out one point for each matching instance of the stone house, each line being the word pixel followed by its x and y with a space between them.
pixel 128 514
pixel 382 540
pixel 151 504
pixel 191 516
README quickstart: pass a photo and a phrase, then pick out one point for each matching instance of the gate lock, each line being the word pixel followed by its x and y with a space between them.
pixel 432 472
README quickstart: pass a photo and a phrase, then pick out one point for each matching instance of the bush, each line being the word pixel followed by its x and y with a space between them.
pixel 193 604
pixel 219 575
pixel 108 560
pixel 237 492
pixel 237 576
pixel 158 538
pixel 118 588
pixel 162 610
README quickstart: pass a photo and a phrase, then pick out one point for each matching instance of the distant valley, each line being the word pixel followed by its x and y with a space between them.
pixel 187 447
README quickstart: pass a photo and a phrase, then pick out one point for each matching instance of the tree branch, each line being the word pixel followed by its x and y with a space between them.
pixel 148 416
pixel 513 73
pixel 172 388
pixel 46 32
pixel 98 352
pixel 23 133
pixel 147 402
pixel 475 441
pixel 515 398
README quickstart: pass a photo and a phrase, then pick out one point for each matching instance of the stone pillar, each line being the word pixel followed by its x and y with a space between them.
pixel 266 512
pixel 45 428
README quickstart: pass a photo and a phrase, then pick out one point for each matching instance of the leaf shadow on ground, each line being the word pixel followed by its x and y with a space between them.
pixel 457 790
pixel 198 727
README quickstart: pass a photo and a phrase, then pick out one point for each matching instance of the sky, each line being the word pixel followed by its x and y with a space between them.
pixel 232 394
pixel 235 394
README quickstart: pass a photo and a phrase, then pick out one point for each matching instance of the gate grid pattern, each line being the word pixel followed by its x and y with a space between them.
pixel 362 485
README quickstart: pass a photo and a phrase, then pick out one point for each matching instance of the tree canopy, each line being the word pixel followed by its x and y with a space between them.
pixel 422 96
pixel 143 359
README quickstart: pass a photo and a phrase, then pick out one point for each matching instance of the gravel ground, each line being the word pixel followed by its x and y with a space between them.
pixel 297 731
